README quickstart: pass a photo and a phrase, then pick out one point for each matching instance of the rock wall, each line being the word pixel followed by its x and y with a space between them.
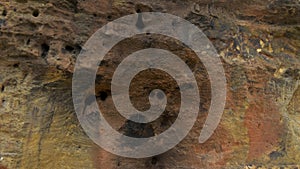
pixel 258 41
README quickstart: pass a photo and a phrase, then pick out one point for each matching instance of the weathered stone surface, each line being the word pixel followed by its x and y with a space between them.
pixel 258 41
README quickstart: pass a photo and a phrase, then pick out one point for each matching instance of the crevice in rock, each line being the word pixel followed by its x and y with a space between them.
pixel 28 42
pixel 45 49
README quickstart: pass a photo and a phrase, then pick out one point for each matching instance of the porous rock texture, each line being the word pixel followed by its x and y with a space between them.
pixel 258 41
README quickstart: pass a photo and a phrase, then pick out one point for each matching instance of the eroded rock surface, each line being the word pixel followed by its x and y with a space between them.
pixel 258 42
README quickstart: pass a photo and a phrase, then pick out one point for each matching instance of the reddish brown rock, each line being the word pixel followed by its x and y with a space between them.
pixel 258 42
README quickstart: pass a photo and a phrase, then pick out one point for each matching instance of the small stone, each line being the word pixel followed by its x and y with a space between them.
pixel 262 44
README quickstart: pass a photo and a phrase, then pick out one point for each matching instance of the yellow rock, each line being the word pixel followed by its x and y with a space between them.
pixel 262 44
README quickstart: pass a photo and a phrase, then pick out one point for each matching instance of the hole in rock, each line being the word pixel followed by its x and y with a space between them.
pixel 45 50
pixel 103 95
pixel 16 65
pixel 69 48
pixel 138 10
pixel 35 13
pixel 4 13
pixel 109 17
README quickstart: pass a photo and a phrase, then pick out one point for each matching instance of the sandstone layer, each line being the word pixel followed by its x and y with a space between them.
pixel 259 44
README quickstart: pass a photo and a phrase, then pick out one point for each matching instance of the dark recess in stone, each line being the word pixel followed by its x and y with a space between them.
pixel 138 10
pixel 22 1
pixel 4 13
pixel 35 13
pixel 78 48
pixel 28 42
pixel 154 160
pixel 45 50
pixel 69 48
pixel 72 49
pixel 71 5
pixel 103 95
pixel 109 17
pixel 16 65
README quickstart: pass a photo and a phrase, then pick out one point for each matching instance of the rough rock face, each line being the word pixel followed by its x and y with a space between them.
pixel 259 42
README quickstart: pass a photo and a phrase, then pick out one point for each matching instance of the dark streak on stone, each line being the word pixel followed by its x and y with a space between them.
pixel 45 49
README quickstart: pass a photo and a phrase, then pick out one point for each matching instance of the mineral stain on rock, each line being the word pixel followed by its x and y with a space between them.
pixel 264 127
